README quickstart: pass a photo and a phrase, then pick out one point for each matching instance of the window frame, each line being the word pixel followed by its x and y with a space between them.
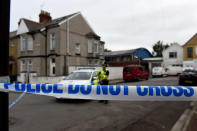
pixel 23 42
pixel 30 64
pixel 172 55
pixel 30 43
pixel 90 63
pixel 12 43
pixel 189 53
pixel 52 41
pixel 90 45
pixel 96 47
pixel 77 48
pixel 23 66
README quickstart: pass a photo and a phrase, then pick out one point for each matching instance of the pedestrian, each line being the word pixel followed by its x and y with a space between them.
pixel 103 78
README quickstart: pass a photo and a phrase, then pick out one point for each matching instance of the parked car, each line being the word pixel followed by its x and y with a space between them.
pixel 159 71
pixel 188 77
pixel 175 69
pixel 79 77
pixel 134 72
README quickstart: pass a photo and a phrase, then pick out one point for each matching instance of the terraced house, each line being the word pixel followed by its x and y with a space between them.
pixel 49 47
pixel 190 53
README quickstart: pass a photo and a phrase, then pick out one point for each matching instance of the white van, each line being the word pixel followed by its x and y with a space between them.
pixel 174 69
pixel 159 71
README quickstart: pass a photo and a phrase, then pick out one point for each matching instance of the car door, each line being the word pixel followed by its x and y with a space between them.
pixel 141 72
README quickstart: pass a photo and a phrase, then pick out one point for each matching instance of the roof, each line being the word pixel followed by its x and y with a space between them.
pixel 190 39
pixel 93 35
pixel 35 26
pixel 113 53
pixel 153 59
pixel 170 46
pixel 13 34
pixel 32 25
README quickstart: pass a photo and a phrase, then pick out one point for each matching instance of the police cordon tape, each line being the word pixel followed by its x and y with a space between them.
pixel 17 100
pixel 107 92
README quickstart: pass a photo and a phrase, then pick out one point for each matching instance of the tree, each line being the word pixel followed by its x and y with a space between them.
pixel 158 48
pixel 106 50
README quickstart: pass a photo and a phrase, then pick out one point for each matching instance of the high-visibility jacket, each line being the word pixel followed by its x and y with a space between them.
pixel 95 82
pixel 102 74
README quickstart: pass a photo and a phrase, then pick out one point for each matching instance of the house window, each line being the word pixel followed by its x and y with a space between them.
pixel 30 66
pixel 52 41
pixel 172 54
pixel 52 67
pixel 30 43
pixel 196 50
pixel 23 43
pixel 125 59
pixel 101 50
pixel 117 59
pixel 77 48
pixel 96 62
pixel 89 46
pixel 90 62
pixel 23 66
pixel 12 43
pixel 96 47
pixel 190 52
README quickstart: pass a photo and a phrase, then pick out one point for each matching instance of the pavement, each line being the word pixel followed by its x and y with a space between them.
pixel 188 120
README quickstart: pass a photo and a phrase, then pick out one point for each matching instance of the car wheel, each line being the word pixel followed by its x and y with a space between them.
pixel 138 78
pixel 147 78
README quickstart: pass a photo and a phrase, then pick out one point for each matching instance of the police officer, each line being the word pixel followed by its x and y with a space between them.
pixel 103 77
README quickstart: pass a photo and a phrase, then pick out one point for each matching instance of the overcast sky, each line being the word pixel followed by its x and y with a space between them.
pixel 122 24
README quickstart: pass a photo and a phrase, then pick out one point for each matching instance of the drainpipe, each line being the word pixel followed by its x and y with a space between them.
pixel 67 48
pixel 46 38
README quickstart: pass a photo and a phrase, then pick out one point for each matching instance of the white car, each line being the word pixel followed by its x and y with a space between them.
pixel 159 71
pixel 79 77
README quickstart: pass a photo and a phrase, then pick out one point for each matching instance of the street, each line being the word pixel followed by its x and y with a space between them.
pixel 40 113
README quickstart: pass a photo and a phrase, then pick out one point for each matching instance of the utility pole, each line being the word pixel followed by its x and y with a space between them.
pixel 4 57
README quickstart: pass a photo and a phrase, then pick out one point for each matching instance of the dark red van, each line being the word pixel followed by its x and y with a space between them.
pixel 134 72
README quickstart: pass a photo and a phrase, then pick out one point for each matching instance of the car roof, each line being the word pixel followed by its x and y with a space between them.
pixel 83 71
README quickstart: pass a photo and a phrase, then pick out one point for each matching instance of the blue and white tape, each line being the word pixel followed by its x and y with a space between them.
pixel 108 92
pixel 17 100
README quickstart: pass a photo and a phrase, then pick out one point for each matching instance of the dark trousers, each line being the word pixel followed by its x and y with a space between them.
pixel 105 82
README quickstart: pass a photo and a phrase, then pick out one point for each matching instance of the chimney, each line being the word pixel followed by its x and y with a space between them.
pixel 44 17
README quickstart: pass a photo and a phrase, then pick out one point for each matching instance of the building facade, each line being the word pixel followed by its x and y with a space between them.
pixel 190 53
pixel 49 47
pixel 173 55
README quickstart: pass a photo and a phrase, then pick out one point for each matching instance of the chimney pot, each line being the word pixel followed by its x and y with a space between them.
pixel 44 17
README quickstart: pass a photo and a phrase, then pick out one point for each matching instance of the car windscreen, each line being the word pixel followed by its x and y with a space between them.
pixel 78 76
pixel 128 69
